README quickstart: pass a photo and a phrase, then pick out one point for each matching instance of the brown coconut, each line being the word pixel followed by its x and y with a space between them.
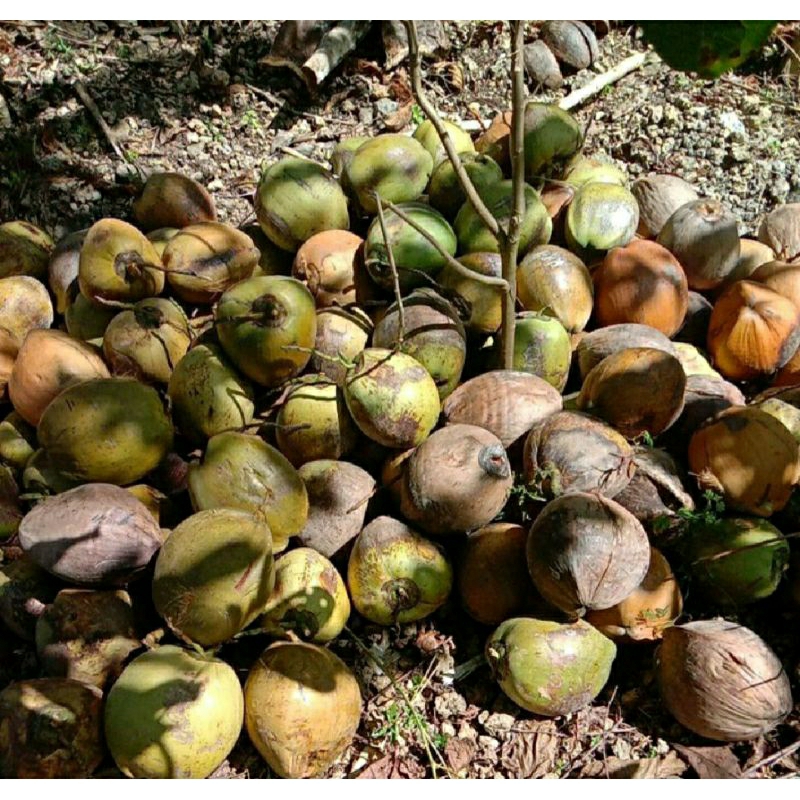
pixel 643 283
pixel 636 391
pixel 753 331
pixel 752 255
pixel 492 574
pixel 705 396
pixel 94 534
pixel 338 496
pixel 457 480
pixel 505 402
pixel 48 362
pixel 780 230
pixel 556 282
pixel 781 277
pixel 650 608
pixel 748 457
pixel 325 263
pixel 721 681
pixel 569 452
pixel 703 236
pixel 171 200
pixel 586 551
pixel 600 343
pixel 659 197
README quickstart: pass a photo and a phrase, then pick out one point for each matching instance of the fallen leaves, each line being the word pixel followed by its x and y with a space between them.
pixel 668 766
pixel 532 753
pixel 711 762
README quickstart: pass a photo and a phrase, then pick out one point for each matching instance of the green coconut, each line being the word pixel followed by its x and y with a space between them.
pixel 392 165
pixel 172 200
pixel 303 706
pixel 214 574
pixel 297 198
pixel 62 270
pixel 24 250
pixel 600 216
pixel 118 264
pixel 50 728
pixel 24 305
pixel 147 341
pixel 413 253
pixel 392 398
pixel 113 430
pixel 17 441
pixel 205 259
pixel 550 668
pixel 395 575
pixel 433 334
pixel 309 599
pixel 343 154
pixel 341 335
pixel 582 170
pixel 542 347
pixel 173 714
pixel 313 422
pixel 737 561
pixel 207 394
pixel 552 137
pixel 474 237
pixel 40 477
pixel 444 190
pixel 87 321
pixel 429 138
pixel 242 471
pixel 267 327
pixel 485 302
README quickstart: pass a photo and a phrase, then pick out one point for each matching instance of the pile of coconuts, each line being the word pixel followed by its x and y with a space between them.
pixel 210 433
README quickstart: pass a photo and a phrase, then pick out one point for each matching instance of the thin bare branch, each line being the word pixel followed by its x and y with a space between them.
pixel 430 112
pixel 510 248
pixel 393 267
pixel 456 265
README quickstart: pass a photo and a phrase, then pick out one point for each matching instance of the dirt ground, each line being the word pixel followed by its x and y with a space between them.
pixel 194 99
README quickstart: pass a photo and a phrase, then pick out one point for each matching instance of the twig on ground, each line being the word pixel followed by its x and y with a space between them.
pixel 91 107
pixel 597 84
pixel 769 760
pixel 395 277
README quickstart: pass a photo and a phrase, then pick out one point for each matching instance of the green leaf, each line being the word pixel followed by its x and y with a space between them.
pixel 708 48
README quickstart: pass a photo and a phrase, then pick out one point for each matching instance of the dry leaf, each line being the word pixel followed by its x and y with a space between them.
pixel 378 770
pixel 399 119
pixel 399 88
pixel 450 74
pixel 711 762
pixel 532 754
pixel 459 753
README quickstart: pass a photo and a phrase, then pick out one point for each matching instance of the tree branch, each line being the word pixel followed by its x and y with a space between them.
pixel 510 248
pixel 393 266
pixel 430 112
pixel 454 263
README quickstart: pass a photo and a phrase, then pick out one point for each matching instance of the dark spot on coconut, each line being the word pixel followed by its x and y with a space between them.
pixel 734 422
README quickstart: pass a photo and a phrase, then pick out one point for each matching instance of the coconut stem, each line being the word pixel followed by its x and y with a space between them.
pixel 395 277
pixel 494 462
pixel 509 246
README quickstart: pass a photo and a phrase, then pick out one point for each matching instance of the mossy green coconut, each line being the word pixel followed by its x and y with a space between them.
pixel 542 347
pixel 108 430
pixel 394 166
pixel 297 198
pixel 445 192
pixel 242 471
pixel 214 575
pixel 600 216
pixel 173 714
pixel 550 668
pixel 267 327
pixel 552 137
pixel 208 395
pixel 428 137
pixel 392 398
pixel 737 561
pixel 474 237
pixel 412 252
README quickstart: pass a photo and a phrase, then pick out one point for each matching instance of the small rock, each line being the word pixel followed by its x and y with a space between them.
pixel 385 106
pixel 366 116
pixel 449 704
pixel 192 137
pixel 194 150
pixel 730 121
pixel 448 729
pixel 499 725
pixel 5 114
pixel 215 185
pixel 657 114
